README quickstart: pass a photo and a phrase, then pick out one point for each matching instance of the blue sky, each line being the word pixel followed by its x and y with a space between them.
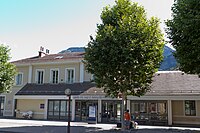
pixel 25 25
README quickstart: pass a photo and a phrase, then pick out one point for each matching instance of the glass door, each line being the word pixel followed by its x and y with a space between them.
pixel 63 110
pixel 58 110
pixel 78 111
pixel 2 99
pixel 111 111
pixel 82 109
pixel 50 110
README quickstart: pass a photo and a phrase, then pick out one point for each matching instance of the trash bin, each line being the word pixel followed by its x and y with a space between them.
pixel 131 125
pixel 119 125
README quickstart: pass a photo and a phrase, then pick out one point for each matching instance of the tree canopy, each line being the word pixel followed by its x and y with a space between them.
pixel 7 70
pixel 126 51
pixel 184 33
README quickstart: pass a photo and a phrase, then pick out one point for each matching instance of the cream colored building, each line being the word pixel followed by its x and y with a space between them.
pixel 42 80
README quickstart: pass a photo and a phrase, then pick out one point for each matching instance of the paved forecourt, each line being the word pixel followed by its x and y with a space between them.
pixel 37 126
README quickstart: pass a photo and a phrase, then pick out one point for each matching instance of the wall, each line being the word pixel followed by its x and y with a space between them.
pixel 87 76
pixel 24 105
pixel 24 70
pixel 9 97
pixel 178 113
pixel 61 68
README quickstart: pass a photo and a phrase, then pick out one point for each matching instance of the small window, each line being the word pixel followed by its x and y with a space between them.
pixel 190 108
pixel 70 75
pixel 18 79
pixel 41 106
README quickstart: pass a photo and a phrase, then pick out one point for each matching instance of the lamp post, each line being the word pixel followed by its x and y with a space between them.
pixel 68 93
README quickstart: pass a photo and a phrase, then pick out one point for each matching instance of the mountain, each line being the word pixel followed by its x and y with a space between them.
pixel 169 62
pixel 73 49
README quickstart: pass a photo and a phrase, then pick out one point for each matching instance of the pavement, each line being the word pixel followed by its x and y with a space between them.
pixel 40 126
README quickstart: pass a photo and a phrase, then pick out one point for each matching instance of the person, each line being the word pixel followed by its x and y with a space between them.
pixel 127 119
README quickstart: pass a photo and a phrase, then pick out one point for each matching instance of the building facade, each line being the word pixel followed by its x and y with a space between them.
pixel 41 82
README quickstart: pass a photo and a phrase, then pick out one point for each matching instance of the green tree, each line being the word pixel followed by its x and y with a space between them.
pixel 7 70
pixel 184 33
pixel 126 51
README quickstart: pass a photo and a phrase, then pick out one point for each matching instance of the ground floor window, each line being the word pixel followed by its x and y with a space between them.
pixel 58 110
pixel 2 102
pixel 149 111
pixel 190 108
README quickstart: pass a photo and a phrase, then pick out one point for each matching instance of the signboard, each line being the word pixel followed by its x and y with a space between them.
pixel 92 111
pixel 92 114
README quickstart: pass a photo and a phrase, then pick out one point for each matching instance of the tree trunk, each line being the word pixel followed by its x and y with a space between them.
pixel 123 107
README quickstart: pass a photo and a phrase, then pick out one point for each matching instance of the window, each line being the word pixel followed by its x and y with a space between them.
pixel 18 79
pixel 70 75
pixel 54 76
pixel 39 76
pixel 190 108
pixel 139 107
pixel 41 106
pixel 149 110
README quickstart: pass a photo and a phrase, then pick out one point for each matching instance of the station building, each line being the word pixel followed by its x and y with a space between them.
pixel 41 82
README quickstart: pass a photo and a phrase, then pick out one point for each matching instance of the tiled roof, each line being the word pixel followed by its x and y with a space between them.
pixel 175 83
pixel 59 89
pixel 164 84
pixel 51 58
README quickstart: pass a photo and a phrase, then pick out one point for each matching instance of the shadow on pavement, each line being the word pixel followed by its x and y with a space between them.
pixel 48 129
pixel 148 131
pixel 82 129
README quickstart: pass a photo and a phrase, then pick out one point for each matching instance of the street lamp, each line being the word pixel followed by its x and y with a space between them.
pixel 68 93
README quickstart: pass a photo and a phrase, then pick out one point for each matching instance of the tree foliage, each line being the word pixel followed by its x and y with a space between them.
pixel 126 51
pixel 7 70
pixel 184 34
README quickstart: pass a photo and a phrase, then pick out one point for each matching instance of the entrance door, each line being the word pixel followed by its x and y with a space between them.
pixel 82 109
pixel 57 110
pixel 2 99
pixel 111 111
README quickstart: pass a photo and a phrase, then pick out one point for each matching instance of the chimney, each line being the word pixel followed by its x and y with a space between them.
pixel 42 52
